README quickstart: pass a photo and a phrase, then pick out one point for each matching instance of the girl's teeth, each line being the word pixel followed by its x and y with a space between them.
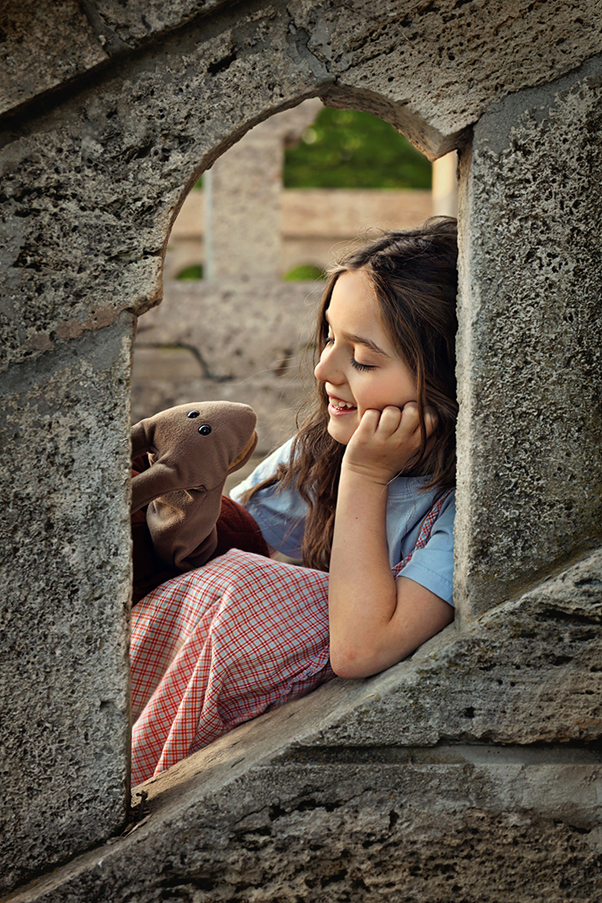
pixel 341 404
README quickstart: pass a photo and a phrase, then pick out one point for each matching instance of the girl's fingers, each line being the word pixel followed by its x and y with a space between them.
pixel 412 420
pixel 387 442
pixel 369 423
pixel 409 417
pixel 391 419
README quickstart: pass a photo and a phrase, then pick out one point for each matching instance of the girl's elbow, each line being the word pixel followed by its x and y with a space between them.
pixel 354 661
pixel 350 664
pixel 342 669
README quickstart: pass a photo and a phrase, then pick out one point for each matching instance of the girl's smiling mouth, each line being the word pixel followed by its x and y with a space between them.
pixel 337 406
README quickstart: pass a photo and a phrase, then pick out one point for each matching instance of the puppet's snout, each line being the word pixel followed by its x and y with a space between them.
pixel 192 446
pixel 222 434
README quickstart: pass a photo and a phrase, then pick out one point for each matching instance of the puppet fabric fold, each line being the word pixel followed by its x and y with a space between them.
pixel 235 528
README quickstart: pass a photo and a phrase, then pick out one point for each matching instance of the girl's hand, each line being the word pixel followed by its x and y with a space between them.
pixel 387 442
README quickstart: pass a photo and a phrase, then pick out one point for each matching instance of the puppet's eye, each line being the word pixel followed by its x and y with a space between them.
pixel 192 414
pixel 205 429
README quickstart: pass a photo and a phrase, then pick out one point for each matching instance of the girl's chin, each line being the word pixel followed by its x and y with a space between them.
pixel 340 433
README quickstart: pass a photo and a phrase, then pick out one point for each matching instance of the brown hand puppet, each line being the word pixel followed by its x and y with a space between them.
pixel 191 450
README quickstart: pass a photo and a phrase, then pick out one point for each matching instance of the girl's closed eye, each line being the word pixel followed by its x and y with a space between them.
pixel 329 340
pixel 361 367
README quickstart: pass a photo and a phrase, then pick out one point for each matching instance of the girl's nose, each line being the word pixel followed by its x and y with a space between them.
pixel 319 371
pixel 325 370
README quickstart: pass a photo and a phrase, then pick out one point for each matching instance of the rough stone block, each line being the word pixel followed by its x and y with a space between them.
pixel 113 162
pixel 243 196
pixel 64 609
pixel 447 62
pixel 243 215
pixel 111 169
pixel 451 61
pixel 252 818
pixel 528 672
pixel 67 38
pixel 91 183
pixel 530 357
pixel 238 328
pixel 56 35
pixel 138 20
pixel 451 772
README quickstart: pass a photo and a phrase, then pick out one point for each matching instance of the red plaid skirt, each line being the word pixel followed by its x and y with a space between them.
pixel 222 644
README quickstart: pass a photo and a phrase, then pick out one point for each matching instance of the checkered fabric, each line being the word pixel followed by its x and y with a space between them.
pixel 220 645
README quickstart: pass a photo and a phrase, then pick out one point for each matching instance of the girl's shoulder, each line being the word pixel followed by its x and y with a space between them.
pixel 410 508
pixel 408 504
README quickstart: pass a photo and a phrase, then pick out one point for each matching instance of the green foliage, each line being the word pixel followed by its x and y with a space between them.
pixel 350 149
pixel 195 271
pixel 305 272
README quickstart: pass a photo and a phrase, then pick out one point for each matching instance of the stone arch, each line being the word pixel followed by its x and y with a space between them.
pixel 92 178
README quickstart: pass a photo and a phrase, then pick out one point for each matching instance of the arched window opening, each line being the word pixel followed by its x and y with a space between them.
pixel 248 252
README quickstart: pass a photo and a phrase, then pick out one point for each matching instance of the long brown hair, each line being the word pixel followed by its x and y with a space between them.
pixel 414 275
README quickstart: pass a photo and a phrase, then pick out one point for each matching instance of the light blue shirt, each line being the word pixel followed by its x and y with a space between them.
pixel 281 518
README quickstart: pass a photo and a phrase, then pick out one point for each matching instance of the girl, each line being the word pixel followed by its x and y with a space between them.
pixel 363 493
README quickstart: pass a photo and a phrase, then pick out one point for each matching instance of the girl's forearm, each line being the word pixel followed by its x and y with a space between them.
pixel 362 589
pixel 375 620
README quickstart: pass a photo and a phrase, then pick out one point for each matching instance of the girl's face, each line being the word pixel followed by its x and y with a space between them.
pixel 359 365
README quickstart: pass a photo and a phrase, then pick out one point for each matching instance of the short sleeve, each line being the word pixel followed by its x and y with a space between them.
pixel 433 565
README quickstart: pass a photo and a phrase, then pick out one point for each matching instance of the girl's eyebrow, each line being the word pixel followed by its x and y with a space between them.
pixel 359 340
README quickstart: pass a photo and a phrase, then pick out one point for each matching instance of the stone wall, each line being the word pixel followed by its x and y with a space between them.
pixel 531 356
pixel 472 769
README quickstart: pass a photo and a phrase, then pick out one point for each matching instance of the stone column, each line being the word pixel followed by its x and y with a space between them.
pixel 65 577
pixel 530 355
pixel 242 191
